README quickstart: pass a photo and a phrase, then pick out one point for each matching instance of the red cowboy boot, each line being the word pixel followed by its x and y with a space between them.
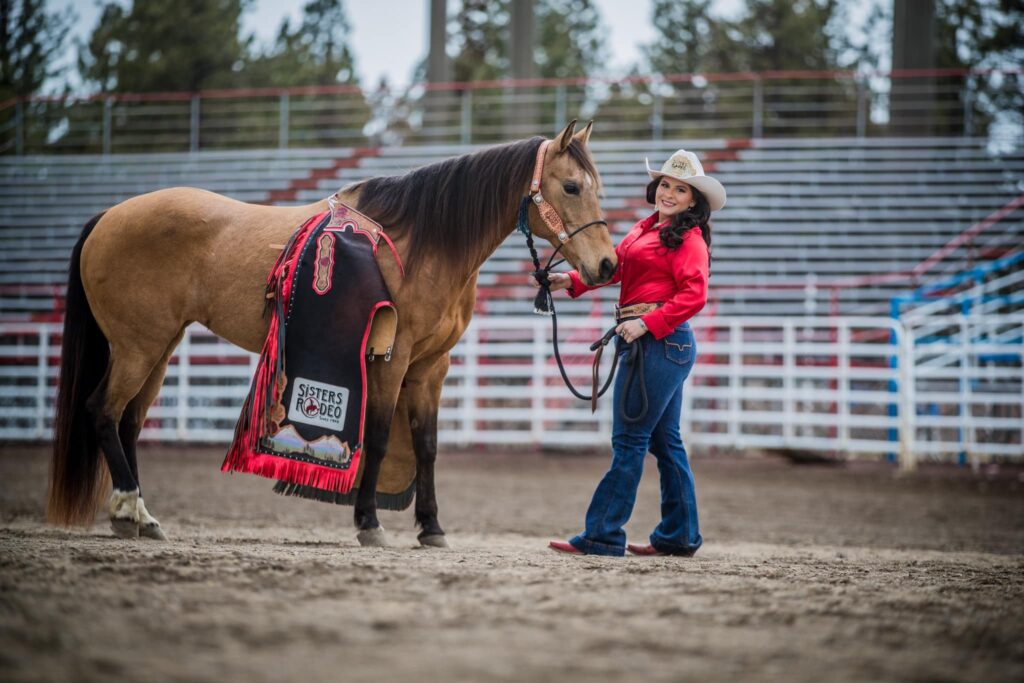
pixel 565 547
pixel 644 550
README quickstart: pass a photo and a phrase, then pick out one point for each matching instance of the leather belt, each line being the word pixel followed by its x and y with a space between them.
pixel 634 310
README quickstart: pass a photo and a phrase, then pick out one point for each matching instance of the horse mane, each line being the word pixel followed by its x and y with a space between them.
pixel 450 209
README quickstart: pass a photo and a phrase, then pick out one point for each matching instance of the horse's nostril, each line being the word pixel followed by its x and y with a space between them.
pixel 607 269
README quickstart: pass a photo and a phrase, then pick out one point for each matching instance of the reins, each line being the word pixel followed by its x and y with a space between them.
pixel 544 304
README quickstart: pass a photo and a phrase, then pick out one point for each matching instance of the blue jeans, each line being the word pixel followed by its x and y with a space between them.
pixel 667 363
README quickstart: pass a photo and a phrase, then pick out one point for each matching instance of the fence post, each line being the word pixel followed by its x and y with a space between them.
pixel 966 441
pixel 757 115
pixel 862 109
pixel 108 107
pixel 184 354
pixel 19 128
pixel 471 378
pixel 283 120
pixel 843 399
pixel 539 380
pixel 466 134
pixel 735 359
pixel 193 142
pixel 42 385
pixel 788 381
pixel 905 361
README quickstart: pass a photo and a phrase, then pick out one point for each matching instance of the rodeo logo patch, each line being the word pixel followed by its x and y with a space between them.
pixel 318 404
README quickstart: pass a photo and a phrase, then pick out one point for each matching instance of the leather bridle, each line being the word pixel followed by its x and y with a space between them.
pixel 543 303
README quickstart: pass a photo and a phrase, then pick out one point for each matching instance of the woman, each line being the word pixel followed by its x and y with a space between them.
pixel 663 268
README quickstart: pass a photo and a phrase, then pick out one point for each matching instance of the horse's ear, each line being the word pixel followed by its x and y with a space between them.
pixel 584 135
pixel 565 137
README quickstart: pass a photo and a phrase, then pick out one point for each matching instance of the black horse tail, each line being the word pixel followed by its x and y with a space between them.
pixel 75 473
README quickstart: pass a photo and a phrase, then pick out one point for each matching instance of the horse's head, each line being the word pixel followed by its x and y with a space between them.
pixel 569 187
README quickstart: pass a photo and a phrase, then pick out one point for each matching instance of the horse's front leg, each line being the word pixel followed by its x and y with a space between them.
pixel 424 399
pixel 383 385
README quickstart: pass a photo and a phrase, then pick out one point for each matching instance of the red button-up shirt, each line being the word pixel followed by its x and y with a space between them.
pixel 649 273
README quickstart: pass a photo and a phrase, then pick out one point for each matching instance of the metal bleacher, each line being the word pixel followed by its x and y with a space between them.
pixel 804 216
pixel 45 201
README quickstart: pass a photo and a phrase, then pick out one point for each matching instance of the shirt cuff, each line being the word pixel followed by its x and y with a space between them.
pixel 577 287
pixel 656 324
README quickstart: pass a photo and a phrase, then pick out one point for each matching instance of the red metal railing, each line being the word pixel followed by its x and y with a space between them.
pixel 742 104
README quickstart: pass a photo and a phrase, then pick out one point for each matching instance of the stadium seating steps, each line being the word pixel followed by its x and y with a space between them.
pixel 799 210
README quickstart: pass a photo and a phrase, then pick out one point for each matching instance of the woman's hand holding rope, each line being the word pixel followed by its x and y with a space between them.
pixel 556 281
pixel 631 330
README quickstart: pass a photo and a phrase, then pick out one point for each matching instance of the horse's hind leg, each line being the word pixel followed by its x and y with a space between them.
pixel 380 410
pixel 424 401
pixel 126 374
pixel 129 429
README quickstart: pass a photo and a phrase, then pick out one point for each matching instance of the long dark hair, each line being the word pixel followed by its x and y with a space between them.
pixel 699 215
pixel 450 209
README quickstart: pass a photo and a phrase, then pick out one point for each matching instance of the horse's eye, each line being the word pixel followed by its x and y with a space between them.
pixel 571 188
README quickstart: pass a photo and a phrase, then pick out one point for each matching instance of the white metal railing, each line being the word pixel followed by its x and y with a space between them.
pixel 935 388
pixel 966 396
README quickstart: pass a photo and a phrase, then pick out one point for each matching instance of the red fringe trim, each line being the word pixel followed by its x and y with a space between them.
pixel 296 472
pixel 243 455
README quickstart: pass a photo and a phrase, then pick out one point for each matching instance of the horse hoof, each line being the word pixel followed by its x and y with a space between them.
pixel 124 528
pixel 373 538
pixel 152 531
pixel 433 541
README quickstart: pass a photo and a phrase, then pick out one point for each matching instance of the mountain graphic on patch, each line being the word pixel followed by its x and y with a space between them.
pixel 287 440
pixel 328 448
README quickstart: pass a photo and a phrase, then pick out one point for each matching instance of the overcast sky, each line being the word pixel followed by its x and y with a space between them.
pixel 390 37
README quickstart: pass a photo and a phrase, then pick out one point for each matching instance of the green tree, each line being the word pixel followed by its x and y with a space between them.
pixel 627 109
pixel 479 35
pixel 31 40
pixel 783 34
pixel 767 35
pixel 316 52
pixel 981 34
pixel 569 38
pixel 156 45
pixel 567 44
pixel 984 34
pixel 687 39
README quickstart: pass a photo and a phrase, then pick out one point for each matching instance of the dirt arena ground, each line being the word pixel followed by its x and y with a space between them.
pixel 807 574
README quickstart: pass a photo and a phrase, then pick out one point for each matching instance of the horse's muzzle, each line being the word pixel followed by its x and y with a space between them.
pixel 607 269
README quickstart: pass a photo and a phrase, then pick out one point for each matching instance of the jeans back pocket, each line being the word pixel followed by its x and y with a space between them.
pixel 679 347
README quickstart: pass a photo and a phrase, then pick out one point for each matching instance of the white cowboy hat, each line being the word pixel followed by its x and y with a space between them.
pixel 685 166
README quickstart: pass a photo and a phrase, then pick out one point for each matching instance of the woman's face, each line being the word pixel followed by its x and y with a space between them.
pixel 672 197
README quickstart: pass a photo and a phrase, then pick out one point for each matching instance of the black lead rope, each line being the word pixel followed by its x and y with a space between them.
pixel 544 304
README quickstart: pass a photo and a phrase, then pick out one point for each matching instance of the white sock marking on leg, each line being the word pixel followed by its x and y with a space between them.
pixel 125 505
pixel 144 517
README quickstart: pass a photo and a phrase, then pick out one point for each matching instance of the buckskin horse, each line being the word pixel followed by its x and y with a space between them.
pixel 145 269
